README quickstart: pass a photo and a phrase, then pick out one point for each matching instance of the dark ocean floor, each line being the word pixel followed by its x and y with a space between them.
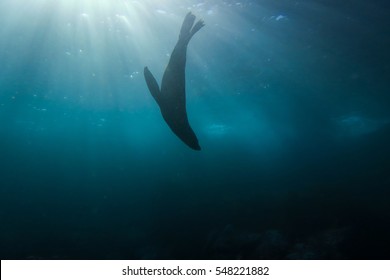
pixel 330 205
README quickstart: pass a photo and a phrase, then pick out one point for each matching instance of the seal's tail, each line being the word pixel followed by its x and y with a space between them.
pixel 188 29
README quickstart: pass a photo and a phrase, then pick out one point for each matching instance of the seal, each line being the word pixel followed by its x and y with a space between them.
pixel 172 97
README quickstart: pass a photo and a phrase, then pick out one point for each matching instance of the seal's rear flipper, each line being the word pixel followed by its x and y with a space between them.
pixel 196 27
pixel 188 29
pixel 152 85
pixel 186 26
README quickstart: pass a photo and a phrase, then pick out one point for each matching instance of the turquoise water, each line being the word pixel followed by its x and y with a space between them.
pixel 289 100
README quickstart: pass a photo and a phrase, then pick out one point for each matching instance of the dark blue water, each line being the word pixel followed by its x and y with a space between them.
pixel 289 99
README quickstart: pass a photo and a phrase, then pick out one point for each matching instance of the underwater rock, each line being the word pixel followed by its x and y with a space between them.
pixel 231 243
pixel 273 245
pixel 325 245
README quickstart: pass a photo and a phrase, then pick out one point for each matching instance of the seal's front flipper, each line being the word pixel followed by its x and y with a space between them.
pixel 152 85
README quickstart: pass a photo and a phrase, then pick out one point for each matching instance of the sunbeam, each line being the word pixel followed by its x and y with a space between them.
pixel 100 47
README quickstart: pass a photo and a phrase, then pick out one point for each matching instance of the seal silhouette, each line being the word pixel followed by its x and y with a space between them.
pixel 172 97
